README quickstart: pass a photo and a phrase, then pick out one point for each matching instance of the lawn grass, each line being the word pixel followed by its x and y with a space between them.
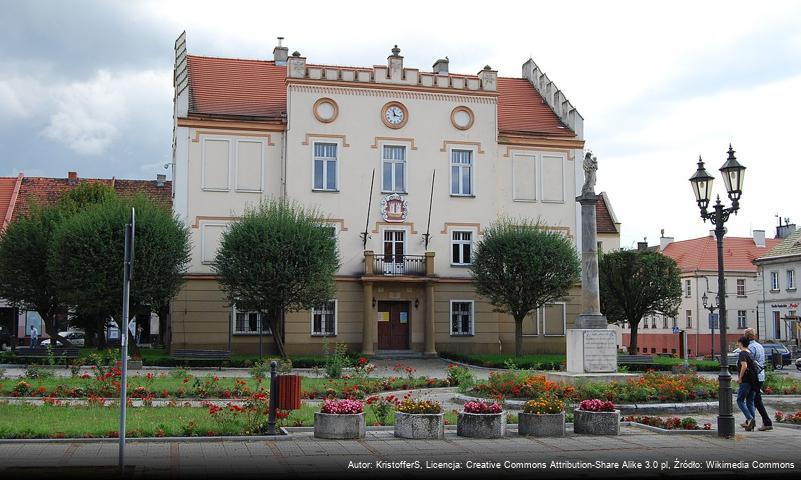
pixel 178 384
pixel 554 362
pixel 53 421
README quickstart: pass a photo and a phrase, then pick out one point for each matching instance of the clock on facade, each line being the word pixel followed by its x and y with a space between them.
pixel 325 110
pixel 394 115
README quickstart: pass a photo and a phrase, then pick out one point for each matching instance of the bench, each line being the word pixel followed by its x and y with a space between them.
pixel 218 355
pixel 66 353
pixel 635 359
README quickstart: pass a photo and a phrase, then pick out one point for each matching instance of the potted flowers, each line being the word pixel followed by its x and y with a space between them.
pixel 543 417
pixel 340 419
pixel 481 420
pixel 596 417
pixel 419 419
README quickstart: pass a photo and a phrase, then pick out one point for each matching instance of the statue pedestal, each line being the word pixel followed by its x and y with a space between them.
pixel 591 350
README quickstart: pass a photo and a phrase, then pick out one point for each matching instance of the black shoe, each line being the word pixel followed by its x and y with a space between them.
pixel 765 428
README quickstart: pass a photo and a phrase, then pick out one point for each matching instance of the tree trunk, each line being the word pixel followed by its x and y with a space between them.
pixel 518 337
pixel 276 319
pixel 165 332
pixel 51 329
pixel 100 322
pixel 633 337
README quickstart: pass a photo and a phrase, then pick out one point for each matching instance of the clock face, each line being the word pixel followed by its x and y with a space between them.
pixel 394 115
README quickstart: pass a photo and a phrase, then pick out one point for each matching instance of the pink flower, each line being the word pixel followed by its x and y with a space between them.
pixel 596 405
pixel 482 407
pixel 342 407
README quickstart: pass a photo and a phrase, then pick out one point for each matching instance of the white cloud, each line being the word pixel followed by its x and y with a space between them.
pixel 89 116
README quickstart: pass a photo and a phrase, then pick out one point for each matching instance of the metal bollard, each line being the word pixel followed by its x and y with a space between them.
pixel 273 398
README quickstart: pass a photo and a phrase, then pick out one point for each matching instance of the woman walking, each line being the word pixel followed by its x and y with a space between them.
pixel 747 377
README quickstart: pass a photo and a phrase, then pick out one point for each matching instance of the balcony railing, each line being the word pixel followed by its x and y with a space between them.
pixel 400 265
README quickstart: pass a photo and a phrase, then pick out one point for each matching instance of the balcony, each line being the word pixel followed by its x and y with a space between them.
pixel 398 265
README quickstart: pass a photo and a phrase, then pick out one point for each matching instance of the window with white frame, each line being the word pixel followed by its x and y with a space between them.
pixel 740 287
pixel 687 288
pixel 645 323
pixel 324 319
pixel 774 280
pixel 790 279
pixel 461 247
pixel 674 322
pixel 653 322
pixel 664 322
pixel 741 319
pixel 531 324
pixel 461 317
pixel 393 168
pixel 524 179
pixel 325 166
pixel 689 314
pixel 461 172
pixel 247 323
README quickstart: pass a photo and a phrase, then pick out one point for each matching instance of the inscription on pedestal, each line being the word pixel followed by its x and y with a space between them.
pixel 600 351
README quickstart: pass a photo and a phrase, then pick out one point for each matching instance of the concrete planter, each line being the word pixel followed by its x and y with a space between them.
pixel 338 427
pixel 420 426
pixel 596 423
pixel 481 425
pixel 541 425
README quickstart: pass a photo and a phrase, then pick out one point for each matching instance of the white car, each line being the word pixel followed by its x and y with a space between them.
pixel 76 338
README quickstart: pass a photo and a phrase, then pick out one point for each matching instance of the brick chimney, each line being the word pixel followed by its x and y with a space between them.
pixel 296 66
pixel 441 66
pixel 395 64
pixel 160 179
pixel 72 178
pixel 642 246
pixel 489 78
pixel 280 53
pixel 664 241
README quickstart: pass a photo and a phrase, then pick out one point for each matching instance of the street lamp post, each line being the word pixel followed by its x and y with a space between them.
pixel 711 309
pixel 701 182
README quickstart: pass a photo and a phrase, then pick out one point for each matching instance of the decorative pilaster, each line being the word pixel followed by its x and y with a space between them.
pixel 430 344
pixel 369 327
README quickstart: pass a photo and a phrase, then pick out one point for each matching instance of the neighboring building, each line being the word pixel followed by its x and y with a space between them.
pixel 779 269
pixel 607 225
pixel 19 194
pixel 697 259
pixel 246 130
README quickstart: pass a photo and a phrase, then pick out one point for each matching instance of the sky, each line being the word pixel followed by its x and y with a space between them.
pixel 87 85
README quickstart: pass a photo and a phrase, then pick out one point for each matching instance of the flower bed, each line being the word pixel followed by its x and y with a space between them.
pixel 794 418
pixel 483 407
pixel 650 387
pixel 669 423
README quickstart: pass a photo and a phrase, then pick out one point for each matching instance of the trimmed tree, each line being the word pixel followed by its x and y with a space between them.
pixel 87 254
pixel 521 267
pixel 25 281
pixel 277 258
pixel 636 283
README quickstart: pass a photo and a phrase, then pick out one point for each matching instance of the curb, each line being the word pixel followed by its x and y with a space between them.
pixel 234 438
pixel 634 407
pixel 664 431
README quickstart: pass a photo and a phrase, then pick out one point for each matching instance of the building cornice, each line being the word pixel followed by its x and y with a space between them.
pixel 229 124
pixel 391 90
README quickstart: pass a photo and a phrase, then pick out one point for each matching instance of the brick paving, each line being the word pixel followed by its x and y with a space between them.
pixel 301 455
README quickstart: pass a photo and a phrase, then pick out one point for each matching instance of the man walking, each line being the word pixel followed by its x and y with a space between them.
pixel 34 336
pixel 758 352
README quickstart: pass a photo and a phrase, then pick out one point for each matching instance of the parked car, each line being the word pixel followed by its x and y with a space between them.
pixel 75 337
pixel 781 352
pixel 798 363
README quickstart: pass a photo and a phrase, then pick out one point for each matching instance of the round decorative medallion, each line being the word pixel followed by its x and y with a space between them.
pixel 394 115
pixel 462 118
pixel 325 110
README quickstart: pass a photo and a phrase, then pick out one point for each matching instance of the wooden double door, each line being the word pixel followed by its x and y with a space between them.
pixel 393 325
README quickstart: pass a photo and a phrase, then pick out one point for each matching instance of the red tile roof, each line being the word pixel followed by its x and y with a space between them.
pixel 522 109
pixel 700 254
pixel 256 88
pixel 604 221
pixel 46 191
pixel 230 86
pixel 7 188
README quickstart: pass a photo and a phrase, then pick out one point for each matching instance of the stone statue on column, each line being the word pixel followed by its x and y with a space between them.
pixel 591 347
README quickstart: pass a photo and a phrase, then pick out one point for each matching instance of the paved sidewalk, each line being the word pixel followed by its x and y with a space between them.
pixel 648 454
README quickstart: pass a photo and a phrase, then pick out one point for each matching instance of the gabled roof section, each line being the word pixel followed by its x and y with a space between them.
pixel 47 191
pixel 700 254
pixel 231 86
pixel 521 109
pixel 9 189
pixel 606 221
pixel 788 247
